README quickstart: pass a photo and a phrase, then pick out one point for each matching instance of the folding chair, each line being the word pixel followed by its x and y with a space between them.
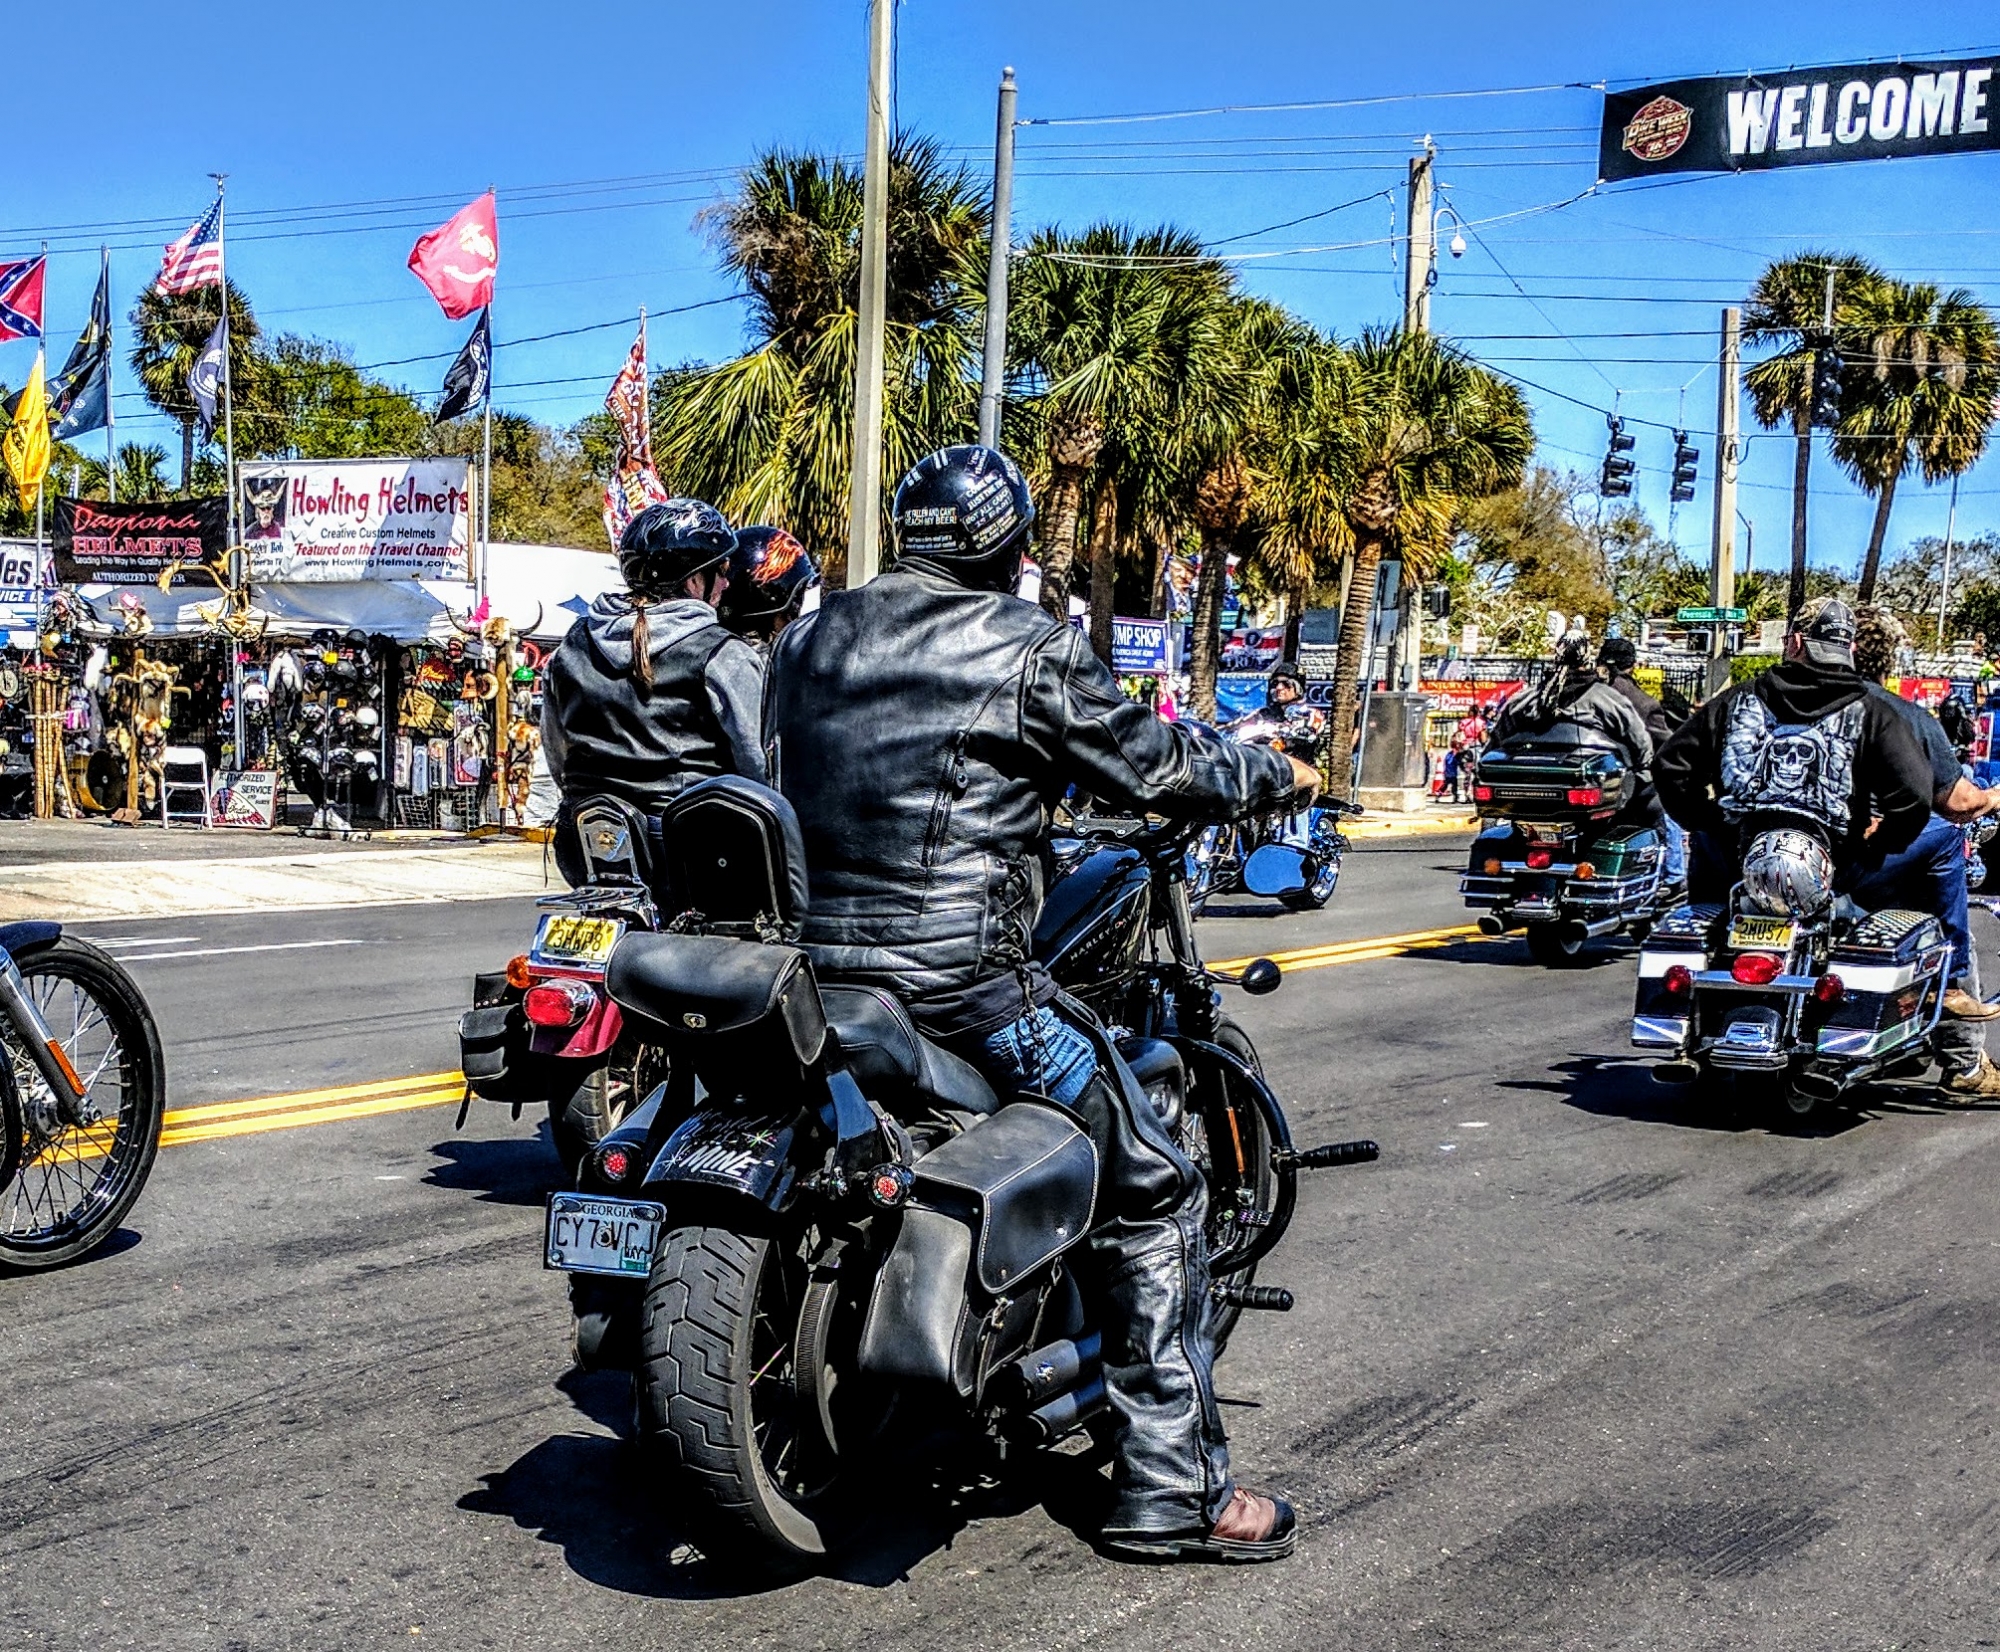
pixel 184 771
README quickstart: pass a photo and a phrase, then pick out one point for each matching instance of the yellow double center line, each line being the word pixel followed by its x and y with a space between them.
pixel 1361 952
pixel 303 1107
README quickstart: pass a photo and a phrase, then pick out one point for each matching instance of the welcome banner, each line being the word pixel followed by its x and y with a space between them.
pixel 318 521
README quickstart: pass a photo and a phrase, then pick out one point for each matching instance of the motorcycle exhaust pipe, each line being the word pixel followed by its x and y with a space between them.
pixel 1575 932
pixel 1820 1085
pixel 1068 1412
pixel 1676 1072
pixel 1493 924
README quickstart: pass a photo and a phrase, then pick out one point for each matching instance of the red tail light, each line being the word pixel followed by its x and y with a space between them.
pixel 1585 797
pixel 614 1161
pixel 1678 981
pixel 1482 794
pixel 1540 860
pixel 1830 989
pixel 557 1003
pixel 1757 969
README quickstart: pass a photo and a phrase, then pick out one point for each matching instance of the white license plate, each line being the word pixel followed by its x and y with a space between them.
pixel 587 1234
pixel 567 939
pixel 1766 934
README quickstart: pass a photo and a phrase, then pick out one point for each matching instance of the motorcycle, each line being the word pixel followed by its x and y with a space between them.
pixel 1292 857
pixel 824 1227
pixel 83 1090
pixel 1810 1007
pixel 544 1031
pixel 1552 858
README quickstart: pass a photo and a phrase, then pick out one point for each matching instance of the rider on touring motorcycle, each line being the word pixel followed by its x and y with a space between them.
pixel 649 693
pixel 922 726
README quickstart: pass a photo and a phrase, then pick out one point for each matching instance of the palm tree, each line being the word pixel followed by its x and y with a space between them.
pixel 1925 372
pixel 1419 428
pixel 169 332
pixel 142 474
pixel 767 436
pixel 1788 308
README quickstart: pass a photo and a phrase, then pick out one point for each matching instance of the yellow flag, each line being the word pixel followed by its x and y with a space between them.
pixel 25 443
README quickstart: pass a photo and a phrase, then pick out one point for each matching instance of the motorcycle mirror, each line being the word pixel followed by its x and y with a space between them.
pixel 1260 976
pixel 1275 869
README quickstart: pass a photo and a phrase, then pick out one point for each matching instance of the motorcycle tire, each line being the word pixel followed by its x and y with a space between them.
pixel 1231 1037
pixel 582 1119
pixel 1548 947
pixel 78 1185
pixel 738 1396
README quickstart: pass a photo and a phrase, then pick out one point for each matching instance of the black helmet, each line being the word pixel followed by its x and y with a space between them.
pixel 1286 671
pixel 966 509
pixel 669 542
pixel 769 575
pixel 1618 654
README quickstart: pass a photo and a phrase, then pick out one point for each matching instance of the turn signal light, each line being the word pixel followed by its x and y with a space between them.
pixel 1540 860
pixel 517 973
pixel 1830 989
pixel 1757 969
pixel 1585 870
pixel 557 1003
pixel 1585 797
pixel 1678 981
pixel 1491 868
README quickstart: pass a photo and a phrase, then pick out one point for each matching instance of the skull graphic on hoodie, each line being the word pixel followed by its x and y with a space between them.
pixel 1804 770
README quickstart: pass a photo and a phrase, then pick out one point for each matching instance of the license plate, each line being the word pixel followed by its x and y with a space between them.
pixel 1555 836
pixel 564 938
pixel 1763 932
pixel 592 1235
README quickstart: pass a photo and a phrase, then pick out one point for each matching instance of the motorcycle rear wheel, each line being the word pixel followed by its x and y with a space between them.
pixel 1551 949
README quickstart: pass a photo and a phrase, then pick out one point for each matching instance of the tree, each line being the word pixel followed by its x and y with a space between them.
pixel 1912 585
pixel 312 402
pixel 545 491
pixel 142 474
pixel 767 435
pixel 1788 308
pixel 1925 368
pixel 1421 429
pixel 1551 545
pixel 169 332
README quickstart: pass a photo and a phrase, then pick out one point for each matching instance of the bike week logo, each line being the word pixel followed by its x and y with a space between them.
pixel 1659 129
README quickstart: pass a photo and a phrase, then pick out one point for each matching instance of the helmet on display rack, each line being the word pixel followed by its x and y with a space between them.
pixel 770 573
pixel 671 542
pixel 966 509
pixel 1788 873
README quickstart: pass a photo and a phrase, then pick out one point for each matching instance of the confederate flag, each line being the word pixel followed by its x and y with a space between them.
pixel 21 297
pixel 457 260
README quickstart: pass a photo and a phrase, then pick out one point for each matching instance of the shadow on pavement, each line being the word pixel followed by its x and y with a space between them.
pixel 510 1170
pixel 1622 1086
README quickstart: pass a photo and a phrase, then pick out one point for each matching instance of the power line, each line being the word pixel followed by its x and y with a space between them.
pixel 1323 103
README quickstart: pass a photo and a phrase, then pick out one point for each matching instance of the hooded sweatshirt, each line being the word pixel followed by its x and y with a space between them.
pixel 1801 745
pixel 604 730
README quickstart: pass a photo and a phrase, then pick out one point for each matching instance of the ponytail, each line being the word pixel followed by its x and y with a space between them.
pixel 642 641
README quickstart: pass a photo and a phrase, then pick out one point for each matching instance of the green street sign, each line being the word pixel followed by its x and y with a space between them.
pixel 1712 616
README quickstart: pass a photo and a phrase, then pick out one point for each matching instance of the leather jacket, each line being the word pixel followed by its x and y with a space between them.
pixel 1594 715
pixel 605 731
pixel 923 730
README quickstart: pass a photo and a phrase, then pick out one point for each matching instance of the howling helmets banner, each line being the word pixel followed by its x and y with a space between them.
pixel 325 520
pixel 1806 117
pixel 100 544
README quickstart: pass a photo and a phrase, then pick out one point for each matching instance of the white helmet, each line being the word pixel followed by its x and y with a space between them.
pixel 1788 873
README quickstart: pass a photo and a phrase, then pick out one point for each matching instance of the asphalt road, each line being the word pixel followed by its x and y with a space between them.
pixel 1573 1366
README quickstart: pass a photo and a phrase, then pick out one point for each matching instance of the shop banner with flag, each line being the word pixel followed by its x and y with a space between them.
pixel 467 379
pixel 79 394
pixel 25 443
pixel 458 260
pixel 21 283
pixel 325 520
pixel 139 544
pixel 195 260
pixel 1801 117
pixel 634 483
pixel 205 376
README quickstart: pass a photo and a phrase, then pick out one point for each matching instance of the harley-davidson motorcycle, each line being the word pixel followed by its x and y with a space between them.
pixel 1293 857
pixel 83 1094
pixel 1552 858
pixel 824 1227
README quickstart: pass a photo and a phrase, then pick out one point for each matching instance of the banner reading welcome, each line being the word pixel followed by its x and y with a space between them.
pixel 322 520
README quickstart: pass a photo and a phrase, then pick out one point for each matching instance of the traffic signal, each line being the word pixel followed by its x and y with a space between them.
pixel 1826 388
pixel 1687 461
pixel 1437 601
pixel 1616 483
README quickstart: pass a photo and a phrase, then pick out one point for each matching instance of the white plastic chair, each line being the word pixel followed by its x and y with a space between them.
pixel 184 770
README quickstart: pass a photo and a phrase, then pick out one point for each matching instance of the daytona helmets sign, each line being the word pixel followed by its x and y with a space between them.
pixel 1864 112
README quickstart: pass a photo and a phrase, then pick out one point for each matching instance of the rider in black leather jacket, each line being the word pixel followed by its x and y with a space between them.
pixel 922 726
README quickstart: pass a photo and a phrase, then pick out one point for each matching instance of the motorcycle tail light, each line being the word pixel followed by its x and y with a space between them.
pixel 614 1162
pixel 1678 981
pixel 1757 969
pixel 1482 794
pixel 1830 989
pixel 557 1003
pixel 1585 797
pixel 1585 870
pixel 1540 860
pixel 517 973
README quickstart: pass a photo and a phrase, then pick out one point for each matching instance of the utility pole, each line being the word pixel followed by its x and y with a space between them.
pixel 1422 244
pixel 1722 569
pixel 1944 590
pixel 992 382
pixel 864 515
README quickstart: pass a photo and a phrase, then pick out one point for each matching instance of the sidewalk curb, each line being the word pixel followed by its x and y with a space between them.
pixel 1394 826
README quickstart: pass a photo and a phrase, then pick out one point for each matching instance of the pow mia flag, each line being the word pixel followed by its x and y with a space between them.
pixel 466 379
pixel 1863 112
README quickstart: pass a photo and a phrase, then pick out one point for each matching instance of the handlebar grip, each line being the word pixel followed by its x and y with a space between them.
pixel 1335 1154
pixel 1272 1298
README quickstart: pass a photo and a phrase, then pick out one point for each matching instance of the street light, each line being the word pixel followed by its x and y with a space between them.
pixel 1456 245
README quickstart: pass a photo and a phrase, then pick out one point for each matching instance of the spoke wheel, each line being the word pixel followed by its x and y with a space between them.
pixel 1230 1144
pixel 76 1183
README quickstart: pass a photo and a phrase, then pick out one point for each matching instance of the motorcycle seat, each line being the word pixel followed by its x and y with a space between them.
pixel 894 1063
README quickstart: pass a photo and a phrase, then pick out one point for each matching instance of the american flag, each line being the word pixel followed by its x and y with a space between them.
pixel 195 260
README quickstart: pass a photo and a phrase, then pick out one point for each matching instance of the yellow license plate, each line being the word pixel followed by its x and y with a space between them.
pixel 563 939
pixel 1762 932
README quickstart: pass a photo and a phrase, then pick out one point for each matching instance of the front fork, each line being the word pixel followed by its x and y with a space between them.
pixel 18 1005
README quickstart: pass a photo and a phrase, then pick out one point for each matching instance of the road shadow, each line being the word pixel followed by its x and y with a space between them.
pixel 1512 953
pixel 1237 906
pixel 1622 1086
pixel 120 1242
pixel 508 1170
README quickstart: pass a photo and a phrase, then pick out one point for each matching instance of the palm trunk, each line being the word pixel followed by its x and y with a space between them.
pixel 1162 600
pixel 1357 626
pixel 1103 569
pixel 1296 598
pixel 187 456
pixel 1871 565
pixel 1065 506
pixel 1801 470
pixel 1207 658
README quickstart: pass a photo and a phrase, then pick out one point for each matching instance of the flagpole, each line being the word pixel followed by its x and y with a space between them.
pixel 42 488
pixel 229 460
pixel 110 413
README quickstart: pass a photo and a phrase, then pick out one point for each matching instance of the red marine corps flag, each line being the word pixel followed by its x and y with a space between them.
pixel 458 259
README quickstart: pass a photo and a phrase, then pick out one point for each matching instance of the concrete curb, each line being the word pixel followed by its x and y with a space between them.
pixel 1425 825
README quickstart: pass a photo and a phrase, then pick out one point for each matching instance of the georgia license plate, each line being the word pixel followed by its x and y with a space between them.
pixel 564 938
pixel 1776 933
pixel 593 1235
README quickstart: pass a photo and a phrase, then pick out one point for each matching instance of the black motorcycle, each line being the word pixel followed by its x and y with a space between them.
pixel 824 1228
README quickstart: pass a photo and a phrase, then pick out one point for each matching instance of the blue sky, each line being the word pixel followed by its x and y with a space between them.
pixel 346 130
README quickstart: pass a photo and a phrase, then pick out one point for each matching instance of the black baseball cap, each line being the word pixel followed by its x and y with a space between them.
pixel 1825 629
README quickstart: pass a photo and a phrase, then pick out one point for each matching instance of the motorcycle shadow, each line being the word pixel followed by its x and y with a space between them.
pixel 1622 1086
pixel 592 1496
pixel 512 1170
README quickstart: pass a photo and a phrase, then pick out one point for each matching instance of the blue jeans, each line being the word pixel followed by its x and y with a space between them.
pixel 1040 1053
pixel 1929 876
